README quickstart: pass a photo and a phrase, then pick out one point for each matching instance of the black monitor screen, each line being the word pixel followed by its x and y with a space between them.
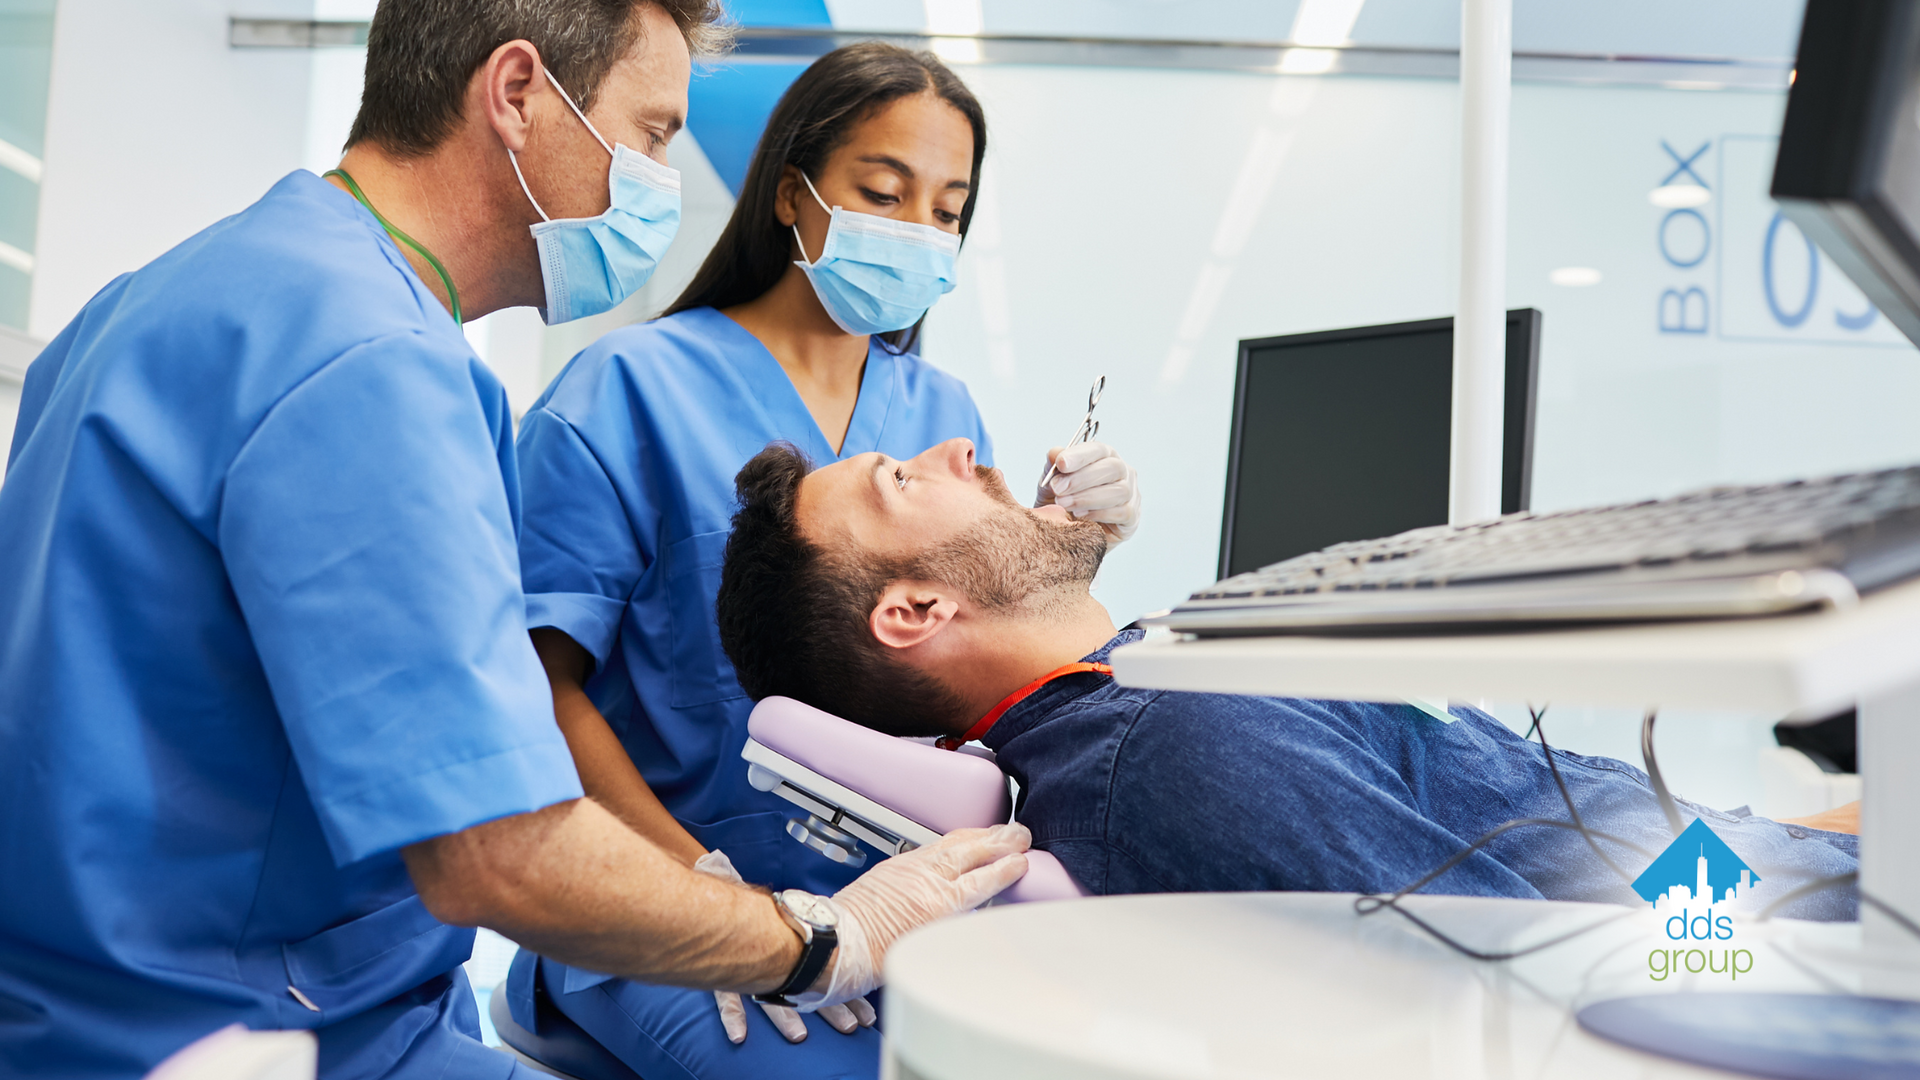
pixel 1345 435
pixel 1342 441
pixel 1848 171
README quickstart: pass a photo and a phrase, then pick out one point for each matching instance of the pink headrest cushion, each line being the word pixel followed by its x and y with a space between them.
pixel 938 788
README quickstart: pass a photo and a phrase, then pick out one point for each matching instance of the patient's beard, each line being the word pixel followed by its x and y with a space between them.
pixel 1014 562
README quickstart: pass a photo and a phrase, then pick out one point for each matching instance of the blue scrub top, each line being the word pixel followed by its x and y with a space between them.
pixel 627 464
pixel 260 626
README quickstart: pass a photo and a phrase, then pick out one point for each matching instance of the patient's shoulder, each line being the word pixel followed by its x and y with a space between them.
pixel 1173 730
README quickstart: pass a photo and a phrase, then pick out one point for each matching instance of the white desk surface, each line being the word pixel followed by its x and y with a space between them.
pixel 1298 985
pixel 1811 663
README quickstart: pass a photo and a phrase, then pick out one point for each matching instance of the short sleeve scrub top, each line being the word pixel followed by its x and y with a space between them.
pixel 627 466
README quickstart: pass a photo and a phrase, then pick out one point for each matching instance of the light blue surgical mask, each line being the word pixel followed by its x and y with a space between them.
pixel 875 274
pixel 591 264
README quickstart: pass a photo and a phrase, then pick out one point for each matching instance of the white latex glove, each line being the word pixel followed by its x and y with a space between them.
pixel 1094 484
pixel 845 1018
pixel 958 872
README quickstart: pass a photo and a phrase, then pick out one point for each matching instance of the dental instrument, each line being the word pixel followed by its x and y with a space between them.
pixel 1089 427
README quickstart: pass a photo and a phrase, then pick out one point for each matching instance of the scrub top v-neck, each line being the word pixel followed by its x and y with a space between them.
pixel 627 466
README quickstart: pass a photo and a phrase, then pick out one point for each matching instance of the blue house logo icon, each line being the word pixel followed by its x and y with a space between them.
pixel 1698 867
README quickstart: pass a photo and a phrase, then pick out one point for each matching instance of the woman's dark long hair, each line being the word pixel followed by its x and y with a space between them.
pixel 814 118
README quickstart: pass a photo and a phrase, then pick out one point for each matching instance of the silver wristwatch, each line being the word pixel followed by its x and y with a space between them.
pixel 818 925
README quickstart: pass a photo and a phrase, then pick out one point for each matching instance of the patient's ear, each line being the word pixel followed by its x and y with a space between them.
pixel 911 613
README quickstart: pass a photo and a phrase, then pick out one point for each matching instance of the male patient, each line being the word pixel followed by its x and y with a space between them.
pixel 919 598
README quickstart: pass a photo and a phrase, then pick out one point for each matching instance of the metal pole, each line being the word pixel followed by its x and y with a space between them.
pixel 1480 329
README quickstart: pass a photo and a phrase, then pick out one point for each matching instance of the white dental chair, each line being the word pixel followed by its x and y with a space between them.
pixel 860 786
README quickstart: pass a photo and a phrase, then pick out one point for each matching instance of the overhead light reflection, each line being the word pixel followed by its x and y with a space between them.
pixel 1323 25
pixel 1679 196
pixel 1325 22
pixel 1574 277
pixel 1308 61
pixel 957 50
pixel 954 16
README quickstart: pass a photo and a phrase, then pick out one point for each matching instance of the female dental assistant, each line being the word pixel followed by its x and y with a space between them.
pixel 271 730
pixel 796 329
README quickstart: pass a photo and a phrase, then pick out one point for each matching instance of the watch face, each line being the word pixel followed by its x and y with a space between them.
pixel 809 908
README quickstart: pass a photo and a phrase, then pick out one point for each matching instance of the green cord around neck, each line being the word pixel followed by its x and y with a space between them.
pixel 453 294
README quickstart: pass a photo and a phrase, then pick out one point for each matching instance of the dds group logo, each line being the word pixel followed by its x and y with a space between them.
pixel 1696 883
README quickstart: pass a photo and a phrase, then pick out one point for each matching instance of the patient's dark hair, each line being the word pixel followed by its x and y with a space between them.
pixel 793 614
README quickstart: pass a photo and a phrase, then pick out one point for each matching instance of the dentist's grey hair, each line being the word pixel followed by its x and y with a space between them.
pixel 421 54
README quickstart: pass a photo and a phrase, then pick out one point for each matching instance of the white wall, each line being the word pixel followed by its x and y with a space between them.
pixel 155 129
pixel 17 350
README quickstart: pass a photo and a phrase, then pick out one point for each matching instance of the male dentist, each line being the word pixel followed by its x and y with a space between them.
pixel 271 727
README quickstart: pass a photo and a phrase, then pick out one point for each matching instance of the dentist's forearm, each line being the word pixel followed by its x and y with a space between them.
pixel 573 883
pixel 607 773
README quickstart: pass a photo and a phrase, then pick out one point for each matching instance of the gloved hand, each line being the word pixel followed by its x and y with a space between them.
pixel 846 1019
pixel 958 872
pixel 1094 484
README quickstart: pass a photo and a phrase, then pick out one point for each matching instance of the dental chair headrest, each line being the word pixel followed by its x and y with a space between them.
pixel 901 785
pixel 936 788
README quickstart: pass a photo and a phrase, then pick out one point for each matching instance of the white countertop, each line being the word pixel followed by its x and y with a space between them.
pixel 1298 985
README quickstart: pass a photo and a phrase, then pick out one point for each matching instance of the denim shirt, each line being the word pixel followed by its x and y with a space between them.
pixel 1168 791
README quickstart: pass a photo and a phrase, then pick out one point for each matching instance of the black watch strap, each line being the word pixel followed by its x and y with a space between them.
pixel 814 954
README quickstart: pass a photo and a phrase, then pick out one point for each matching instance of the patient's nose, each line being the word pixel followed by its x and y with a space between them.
pixel 954 456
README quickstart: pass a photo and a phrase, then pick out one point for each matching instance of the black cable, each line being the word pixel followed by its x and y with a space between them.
pixel 1465 853
pixel 1467 950
pixel 1818 885
pixel 1838 881
pixel 1660 791
pixel 1567 797
pixel 1886 909
pixel 1372 902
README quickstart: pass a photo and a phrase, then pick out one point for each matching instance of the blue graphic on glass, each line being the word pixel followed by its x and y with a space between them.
pixel 1780 315
pixel 1683 164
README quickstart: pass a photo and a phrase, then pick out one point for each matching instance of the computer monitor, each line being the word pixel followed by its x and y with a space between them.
pixel 1848 170
pixel 1346 435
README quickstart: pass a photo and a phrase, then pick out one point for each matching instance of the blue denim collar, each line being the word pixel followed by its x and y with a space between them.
pixel 1029 713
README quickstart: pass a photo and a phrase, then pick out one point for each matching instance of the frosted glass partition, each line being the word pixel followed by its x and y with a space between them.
pixel 1138 223
pixel 26 54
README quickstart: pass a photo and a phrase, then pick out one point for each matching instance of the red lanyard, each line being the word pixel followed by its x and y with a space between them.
pixel 954 742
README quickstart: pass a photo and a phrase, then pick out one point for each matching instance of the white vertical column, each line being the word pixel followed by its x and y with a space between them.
pixel 1480 327
pixel 1889 744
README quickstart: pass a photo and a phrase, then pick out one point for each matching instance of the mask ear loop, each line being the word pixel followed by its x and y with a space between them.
pixel 568 98
pixel 523 185
pixel 591 130
pixel 796 224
